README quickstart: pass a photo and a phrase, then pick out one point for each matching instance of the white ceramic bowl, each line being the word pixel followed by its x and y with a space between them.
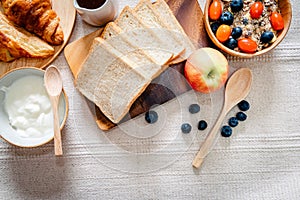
pixel 7 132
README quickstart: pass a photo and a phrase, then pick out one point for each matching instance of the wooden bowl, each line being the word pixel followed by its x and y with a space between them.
pixel 286 12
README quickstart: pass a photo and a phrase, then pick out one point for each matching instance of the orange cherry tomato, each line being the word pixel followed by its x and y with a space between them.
pixel 223 33
pixel 256 10
pixel 215 10
pixel 247 45
pixel 276 21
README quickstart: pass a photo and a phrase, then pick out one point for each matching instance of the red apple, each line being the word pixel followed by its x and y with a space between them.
pixel 206 70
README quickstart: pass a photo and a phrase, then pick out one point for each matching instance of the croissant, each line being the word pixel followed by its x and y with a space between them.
pixel 15 42
pixel 35 16
pixel 5 55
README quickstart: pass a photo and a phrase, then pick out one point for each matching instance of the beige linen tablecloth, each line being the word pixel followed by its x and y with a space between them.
pixel 260 161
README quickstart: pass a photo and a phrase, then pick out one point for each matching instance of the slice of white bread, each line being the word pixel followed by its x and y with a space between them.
pixel 145 38
pixel 110 31
pixel 141 61
pixel 109 81
pixel 151 18
pixel 148 15
pixel 168 17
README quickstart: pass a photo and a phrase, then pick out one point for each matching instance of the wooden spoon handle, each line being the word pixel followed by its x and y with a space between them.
pixel 57 134
pixel 209 141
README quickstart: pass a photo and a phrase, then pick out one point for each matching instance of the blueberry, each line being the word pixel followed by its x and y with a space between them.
pixel 226 131
pixel 236 5
pixel 266 37
pixel 231 43
pixel 245 21
pixel 214 27
pixel 241 116
pixel 244 105
pixel 233 122
pixel 194 108
pixel 151 117
pixel 202 125
pixel 226 18
pixel 236 32
pixel 186 128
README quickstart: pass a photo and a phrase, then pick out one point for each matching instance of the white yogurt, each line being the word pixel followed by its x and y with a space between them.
pixel 28 107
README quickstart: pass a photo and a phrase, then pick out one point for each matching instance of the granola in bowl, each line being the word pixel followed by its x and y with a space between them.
pixel 246 26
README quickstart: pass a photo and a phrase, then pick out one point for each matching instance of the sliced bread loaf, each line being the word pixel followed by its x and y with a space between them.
pixel 130 53
pixel 142 63
pixel 148 15
pixel 168 17
pixel 142 36
pixel 109 81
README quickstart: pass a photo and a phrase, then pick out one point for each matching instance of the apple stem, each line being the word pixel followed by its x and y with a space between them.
pixel 211 74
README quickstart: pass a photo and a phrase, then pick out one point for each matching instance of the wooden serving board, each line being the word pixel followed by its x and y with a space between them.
pixel 169 84
pixel 67 13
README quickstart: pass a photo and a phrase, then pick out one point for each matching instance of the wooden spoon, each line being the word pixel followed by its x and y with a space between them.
pixel 53 83
pixel 237 88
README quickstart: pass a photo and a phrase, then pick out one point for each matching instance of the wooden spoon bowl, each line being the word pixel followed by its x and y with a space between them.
pixel 286 12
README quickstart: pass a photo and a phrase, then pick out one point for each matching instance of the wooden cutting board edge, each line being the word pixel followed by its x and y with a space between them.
pixel 76 58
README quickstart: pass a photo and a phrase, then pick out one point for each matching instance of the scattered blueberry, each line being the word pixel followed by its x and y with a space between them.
pixel 266 37
pixel 241 116
pixel 202 125
pixel 236 5
pixel 233 122
pixel 186 128
pixel 236 32
pixel 226 18
pixel 194 108
pixel 214 27
pixel 244 105
pixel 226 131
pixel 151 117
pixel 231 43
pixel 245 21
